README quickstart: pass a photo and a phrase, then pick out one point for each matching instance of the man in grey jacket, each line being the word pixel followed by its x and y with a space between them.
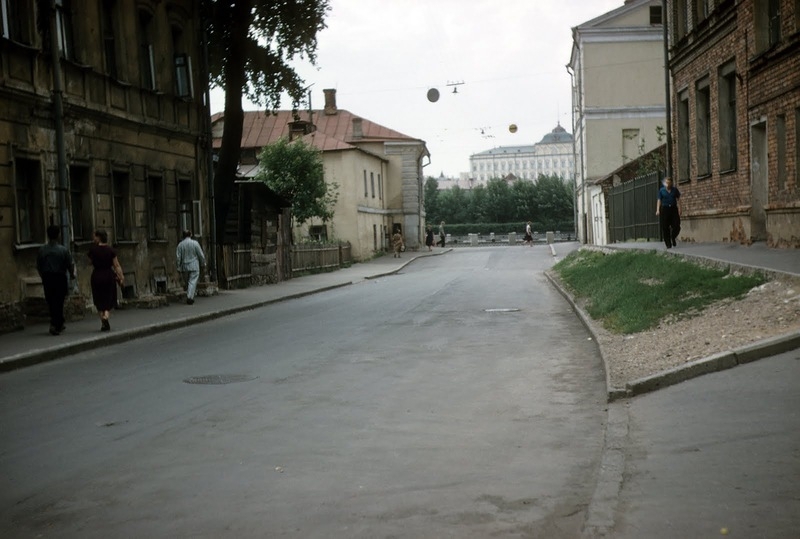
pixel 190 258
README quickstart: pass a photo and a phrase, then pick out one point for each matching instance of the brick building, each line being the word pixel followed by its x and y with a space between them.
pixel 110 136
pixel 736 119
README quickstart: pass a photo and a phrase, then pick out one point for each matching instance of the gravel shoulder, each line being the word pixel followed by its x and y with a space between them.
pixel 769 310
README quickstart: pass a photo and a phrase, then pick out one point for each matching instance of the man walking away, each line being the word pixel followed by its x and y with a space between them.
pixel 669 211
pixel 190 258
pixel 53 263
pixel 441 234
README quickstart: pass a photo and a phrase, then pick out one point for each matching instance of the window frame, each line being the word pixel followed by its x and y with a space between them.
pixel 29 225
pixel 703 126
pixel 64 29
pixel 80 201
pixel 728 151
pixel 780 151
pixel 156 206
pixel 121 179
pixel 683 136
pixel 110 31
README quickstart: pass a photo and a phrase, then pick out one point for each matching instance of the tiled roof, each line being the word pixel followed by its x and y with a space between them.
pixel 333 131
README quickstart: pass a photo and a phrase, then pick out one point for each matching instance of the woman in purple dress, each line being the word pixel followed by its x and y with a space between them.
pixel 105 276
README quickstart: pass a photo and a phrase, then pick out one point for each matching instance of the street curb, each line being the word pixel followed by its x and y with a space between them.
pixel 612 393
pixel 715 363
pixel 35 357
pixel 718 362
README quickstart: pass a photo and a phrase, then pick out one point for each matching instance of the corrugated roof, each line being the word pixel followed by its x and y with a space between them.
pixel 333 131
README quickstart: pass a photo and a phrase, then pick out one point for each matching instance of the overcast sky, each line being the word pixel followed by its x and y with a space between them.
pixel 382 57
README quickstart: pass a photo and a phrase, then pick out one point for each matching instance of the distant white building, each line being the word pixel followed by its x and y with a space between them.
pixel 463 181
pixel 553 155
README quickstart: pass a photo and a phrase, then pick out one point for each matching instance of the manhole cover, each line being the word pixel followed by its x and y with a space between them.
pixel 218 379
pixel 507 310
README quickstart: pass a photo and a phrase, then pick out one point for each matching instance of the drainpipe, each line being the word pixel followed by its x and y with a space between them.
pixel 574 157
pixel 209 152
pixel 58 118
pixel 667 88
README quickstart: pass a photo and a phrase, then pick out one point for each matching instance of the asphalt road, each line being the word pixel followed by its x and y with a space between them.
pixel 459 398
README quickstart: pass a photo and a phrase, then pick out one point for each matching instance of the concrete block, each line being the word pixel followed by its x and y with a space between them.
pixel 512 238
pixel 551 237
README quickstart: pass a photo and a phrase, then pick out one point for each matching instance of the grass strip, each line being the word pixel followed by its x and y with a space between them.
pixel 632 291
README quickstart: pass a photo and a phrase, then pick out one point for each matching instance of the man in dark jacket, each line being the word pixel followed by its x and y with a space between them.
pixel 53 263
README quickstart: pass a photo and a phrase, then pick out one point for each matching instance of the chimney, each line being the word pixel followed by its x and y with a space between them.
pixel 358 132
pixel 330 101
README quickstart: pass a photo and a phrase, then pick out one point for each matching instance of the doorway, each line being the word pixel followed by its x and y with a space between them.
pixel 759 181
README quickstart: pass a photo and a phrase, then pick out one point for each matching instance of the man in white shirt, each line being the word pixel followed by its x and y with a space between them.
pixel 190 258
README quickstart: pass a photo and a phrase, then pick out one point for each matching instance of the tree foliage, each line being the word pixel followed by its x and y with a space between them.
pixel 549 202
pixel 250 45
pixel 294 170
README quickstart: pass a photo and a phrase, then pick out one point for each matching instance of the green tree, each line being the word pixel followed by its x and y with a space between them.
pixel 431 193
pixel 554 200
pixel 499 202
pixel 250 45
pixel 294 170
pixel 523 195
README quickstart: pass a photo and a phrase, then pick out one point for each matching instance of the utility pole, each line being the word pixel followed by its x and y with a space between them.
pixel 58 119
pixel 668 152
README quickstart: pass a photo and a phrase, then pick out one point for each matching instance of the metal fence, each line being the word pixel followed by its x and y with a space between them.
pixel 632 209
pixel 319 256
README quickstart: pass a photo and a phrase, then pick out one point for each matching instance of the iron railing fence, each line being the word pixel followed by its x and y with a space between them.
pixel 632 209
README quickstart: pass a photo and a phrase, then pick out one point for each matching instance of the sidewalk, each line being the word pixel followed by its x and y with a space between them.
pixel 35 345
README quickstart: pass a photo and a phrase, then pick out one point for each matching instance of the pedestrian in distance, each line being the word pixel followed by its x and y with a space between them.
pixel 669 212
pixel 397 243
pixel 53 263
pixel 190 257
pixel 528 234
pixel 441 234
pixel 429 237
pixel 106 275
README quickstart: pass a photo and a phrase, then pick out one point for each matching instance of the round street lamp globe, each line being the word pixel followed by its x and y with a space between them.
pixel 512 128
pixel 433 95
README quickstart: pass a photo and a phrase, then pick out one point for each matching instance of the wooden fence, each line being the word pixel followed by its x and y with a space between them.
pixel 234 267
pixel 319 256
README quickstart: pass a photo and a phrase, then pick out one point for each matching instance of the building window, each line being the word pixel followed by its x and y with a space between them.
pixel 366 191
pixel 147 51
pixel 380 188
pixel 30 200
pixel 318 232
pixel 64 29
pixel 727 117
pixel 701 10
pixel 681 20
pixel 683 136
pixel 797 147
pixel 703 121
pixel 17 20
pixel 655 15
pixel 185 204
pixel 120 183
pixel 767 23
pixel 184 83
pixel 80 197
pixel 372 183
pixel 109 9
pixel 780 128
pixel 156 218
